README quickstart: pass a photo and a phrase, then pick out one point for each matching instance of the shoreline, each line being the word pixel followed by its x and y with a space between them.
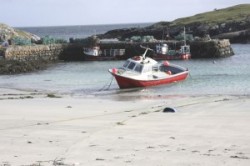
pixel 73 130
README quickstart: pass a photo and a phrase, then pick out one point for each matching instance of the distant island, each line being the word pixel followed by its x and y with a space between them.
pixel 231 23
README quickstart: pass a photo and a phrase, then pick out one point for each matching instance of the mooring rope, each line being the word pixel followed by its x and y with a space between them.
pixel 107 85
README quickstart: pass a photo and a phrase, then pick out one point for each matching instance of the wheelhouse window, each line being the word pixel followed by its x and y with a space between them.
pixel 131 65
pixel 138 68
pixel 126 63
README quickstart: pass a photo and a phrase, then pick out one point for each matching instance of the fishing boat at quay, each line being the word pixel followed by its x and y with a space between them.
pixel 163 53
pixel 96 54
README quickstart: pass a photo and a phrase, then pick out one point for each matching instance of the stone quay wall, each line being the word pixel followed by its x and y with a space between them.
pixel 211 49
pixel 34 52
pixel 74 52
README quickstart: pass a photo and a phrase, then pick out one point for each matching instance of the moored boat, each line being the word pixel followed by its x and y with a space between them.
pixel 142 71
pixel 163 53
pixel 96 54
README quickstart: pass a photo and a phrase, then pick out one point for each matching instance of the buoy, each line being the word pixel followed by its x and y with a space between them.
pixel 166 63
pixel 114 70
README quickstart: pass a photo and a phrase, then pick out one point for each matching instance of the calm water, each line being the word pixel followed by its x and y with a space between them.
pixel 207 76
pixel 210 76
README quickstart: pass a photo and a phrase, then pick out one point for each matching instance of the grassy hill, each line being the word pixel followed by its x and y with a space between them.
pixel 232 22
pixel 235 13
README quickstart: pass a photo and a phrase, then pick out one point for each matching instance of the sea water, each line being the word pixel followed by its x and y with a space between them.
pixel 229 75
pixel 207 76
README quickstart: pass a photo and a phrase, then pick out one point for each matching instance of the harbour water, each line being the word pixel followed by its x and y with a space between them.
pixel 207 76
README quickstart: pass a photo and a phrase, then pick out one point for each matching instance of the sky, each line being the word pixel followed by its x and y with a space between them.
pixel 32 13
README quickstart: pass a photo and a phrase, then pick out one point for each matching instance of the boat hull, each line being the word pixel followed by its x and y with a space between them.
pixel 126 82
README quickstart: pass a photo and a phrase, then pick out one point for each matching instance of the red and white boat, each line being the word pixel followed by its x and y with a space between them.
pixel 142 71
pixel 163 53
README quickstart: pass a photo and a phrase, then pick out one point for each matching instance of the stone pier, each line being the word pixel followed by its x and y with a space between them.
pixel 74 52
pixel 211 49
pixel 34 52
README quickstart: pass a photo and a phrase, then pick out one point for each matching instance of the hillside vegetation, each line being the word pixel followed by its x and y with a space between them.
pixel 235 13
pixel 232 23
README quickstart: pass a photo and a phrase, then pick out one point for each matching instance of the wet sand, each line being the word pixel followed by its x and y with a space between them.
pixel 37 128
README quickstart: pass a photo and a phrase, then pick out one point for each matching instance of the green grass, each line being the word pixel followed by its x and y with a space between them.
pixel 235 13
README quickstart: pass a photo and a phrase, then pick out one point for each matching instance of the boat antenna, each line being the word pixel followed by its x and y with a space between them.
pixel 146 50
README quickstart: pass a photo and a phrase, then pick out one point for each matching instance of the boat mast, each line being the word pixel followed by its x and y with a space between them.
pixel 184 36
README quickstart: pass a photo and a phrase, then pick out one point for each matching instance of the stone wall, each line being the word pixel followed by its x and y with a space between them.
pixel 211 49
pixel 214 48
pixel 74 52
pixel 34 52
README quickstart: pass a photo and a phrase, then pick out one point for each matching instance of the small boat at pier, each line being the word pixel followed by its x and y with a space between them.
pixel 93 51
pixel 163 52
pixel 96 54
pixel 142 71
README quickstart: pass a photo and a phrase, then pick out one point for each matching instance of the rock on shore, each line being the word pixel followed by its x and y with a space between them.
pixel 7 33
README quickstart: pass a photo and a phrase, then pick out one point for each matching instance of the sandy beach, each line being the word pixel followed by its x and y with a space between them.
pixel 39 129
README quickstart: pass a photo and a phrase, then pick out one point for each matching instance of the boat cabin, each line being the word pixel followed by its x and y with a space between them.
pixel 150 66
pixel 94 51
pixel 185 49
pixel 162 48
pixel 140 65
